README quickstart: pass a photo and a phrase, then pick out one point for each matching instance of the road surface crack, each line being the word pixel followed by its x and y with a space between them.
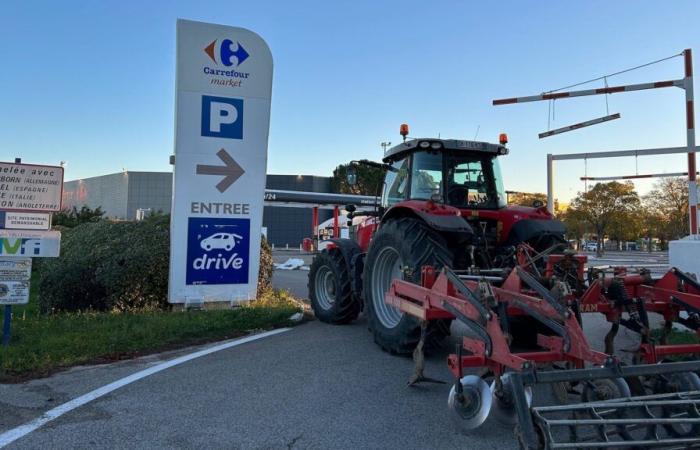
pixel 291 443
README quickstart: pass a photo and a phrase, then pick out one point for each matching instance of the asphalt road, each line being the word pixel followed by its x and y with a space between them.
pixel 314 387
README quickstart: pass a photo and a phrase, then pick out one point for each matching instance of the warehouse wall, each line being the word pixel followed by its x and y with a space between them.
pixel 109 192
pixel 291 225
pixel 149 190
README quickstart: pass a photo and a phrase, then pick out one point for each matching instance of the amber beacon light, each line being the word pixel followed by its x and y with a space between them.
pixel 404 130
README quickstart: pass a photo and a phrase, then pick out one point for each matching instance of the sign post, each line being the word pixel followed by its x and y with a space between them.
pixel 28 194
pixel 224 86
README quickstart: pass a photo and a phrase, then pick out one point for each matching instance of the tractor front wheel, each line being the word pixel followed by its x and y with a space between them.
pixel 399 250
pixel 329 289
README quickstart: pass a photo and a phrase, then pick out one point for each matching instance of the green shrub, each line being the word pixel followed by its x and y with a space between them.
pixel 266 267
pixel 71 217
pixel 108 266
pixel 115 266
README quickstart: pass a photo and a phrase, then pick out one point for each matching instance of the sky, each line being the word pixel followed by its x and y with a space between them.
pixel 92 83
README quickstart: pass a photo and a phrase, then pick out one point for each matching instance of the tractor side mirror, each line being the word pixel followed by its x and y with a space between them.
pixel 350 208
pixel 351 176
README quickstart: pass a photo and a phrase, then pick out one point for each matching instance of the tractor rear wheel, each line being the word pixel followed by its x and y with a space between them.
pixel 399 249
pixel 330 291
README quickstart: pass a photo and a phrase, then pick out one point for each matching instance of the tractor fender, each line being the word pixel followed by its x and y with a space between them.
pixel 526 229
pixel 442 218
pixel 354 259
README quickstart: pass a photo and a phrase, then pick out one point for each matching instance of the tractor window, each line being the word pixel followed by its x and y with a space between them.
pixel 474 181
pixel 426 175
pixel 395 183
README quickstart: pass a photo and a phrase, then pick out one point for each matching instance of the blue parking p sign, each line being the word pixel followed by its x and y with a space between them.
pixel 218 250
pixel 222 117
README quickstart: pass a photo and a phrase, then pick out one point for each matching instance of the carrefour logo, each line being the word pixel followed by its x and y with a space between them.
pixel 226 54
pixel 217 250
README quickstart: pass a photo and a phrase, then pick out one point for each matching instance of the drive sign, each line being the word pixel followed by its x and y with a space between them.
pixel 224 84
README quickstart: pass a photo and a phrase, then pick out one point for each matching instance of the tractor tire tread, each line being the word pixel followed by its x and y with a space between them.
pixel 347 306
pixel 425 247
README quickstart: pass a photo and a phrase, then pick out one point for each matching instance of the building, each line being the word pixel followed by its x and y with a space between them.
pixel 123 196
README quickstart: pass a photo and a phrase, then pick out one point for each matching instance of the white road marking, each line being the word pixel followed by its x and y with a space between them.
pixel 12 435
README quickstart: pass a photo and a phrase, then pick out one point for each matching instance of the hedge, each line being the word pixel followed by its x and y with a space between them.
pixel 114 266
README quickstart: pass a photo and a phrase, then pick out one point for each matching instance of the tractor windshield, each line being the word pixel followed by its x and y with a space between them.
pixel 395 183
pixel 474 181
pixel 426 175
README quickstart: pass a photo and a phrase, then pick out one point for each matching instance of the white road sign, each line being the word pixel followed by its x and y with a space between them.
pixel 28 243
pixel 224 85
pixel 25 220
pixel 14 280
pixel 30 187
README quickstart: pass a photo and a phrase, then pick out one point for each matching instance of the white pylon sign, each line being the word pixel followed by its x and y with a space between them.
pixel 224 87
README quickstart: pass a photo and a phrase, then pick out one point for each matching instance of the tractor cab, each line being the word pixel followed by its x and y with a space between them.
pixel 462 174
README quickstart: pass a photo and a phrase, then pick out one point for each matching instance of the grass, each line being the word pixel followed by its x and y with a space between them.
pixel 676 337
pixel 42 344
pixel 679 337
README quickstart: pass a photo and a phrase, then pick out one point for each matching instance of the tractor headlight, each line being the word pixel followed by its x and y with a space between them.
pixel 436 145
pixel 424 144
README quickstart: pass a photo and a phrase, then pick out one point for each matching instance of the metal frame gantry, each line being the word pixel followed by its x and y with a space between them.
pixel 685 83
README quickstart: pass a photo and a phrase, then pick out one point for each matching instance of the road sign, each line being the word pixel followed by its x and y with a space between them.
pixel 224 84
pixel 25 220
pixel 30 243
pixel 30 187
pixel 14 280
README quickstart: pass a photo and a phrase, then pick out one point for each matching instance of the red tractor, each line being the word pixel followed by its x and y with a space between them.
pixel 443 204
pixel 444 245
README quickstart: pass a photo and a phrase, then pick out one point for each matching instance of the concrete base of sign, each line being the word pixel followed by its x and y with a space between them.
pixel 211 306
pixel 685 255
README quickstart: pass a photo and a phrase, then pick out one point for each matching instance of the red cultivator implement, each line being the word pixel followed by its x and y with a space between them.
pixel 611 416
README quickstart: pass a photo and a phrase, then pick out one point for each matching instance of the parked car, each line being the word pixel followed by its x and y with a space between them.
pixel 590 246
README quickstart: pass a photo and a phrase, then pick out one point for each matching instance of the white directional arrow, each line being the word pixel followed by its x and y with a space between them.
pixel 230 170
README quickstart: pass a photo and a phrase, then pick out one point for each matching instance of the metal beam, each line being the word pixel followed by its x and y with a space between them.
pixel 620 153
pixel 635 177
pixel 576 126
pixel 318 198
pixel 585 92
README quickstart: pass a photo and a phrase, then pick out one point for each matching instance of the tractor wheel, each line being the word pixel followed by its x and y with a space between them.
pixel 399 249
pixel 329 289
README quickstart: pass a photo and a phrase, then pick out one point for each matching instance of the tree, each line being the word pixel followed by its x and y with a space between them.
pixel 526 198
pixel 575 223
pixel 606 207
pixel 369 180
pixel 668 202
pixel 652 224
pixel 626 226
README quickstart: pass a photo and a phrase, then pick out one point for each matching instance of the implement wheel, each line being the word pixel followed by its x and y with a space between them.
pixel 399 250
pixel 329 289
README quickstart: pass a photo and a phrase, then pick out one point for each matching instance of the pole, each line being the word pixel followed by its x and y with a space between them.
pixel 336 226
pixel 7 315
pixel 690 122
pixel 6 325
pixel 550 183
pixel 314 225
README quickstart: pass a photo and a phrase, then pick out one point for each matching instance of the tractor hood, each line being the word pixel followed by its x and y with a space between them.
pixel 518 223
